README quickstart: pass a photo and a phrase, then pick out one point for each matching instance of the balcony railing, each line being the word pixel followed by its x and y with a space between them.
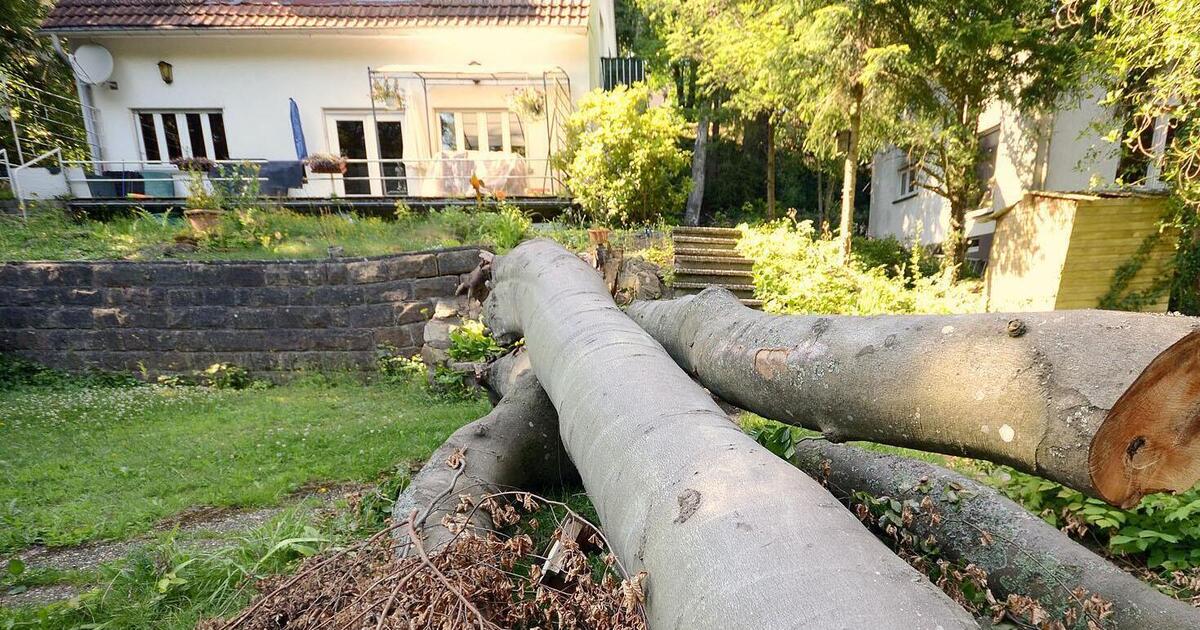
pixel 616 71
pixel 433 178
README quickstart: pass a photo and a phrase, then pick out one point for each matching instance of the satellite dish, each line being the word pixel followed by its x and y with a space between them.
pixel 93 63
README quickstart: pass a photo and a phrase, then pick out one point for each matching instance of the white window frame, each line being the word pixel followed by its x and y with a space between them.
pixel 481 139
pixel 185 138
pixel 907 175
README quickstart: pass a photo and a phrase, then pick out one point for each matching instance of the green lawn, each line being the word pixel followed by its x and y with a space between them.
pixel 254 233
pixel 90 463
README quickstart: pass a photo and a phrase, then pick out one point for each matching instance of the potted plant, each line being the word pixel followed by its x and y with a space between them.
pixel 203 206
pixel 326 163
pixel 529 102
pixel 194 164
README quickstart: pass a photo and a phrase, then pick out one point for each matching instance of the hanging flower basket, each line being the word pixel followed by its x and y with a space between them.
pixel 387 93
pixel 527 102
pixel 326 163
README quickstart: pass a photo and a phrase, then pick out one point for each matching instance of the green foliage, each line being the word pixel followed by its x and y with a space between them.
pixel 622 161
pixel 17 372
pixel 396 368
pixel 1163 529
pixel 225 376
pixel 201 195
pixel 505 228
pixel 253 232
pixel 780 439
pixel 798 271
pixel 174 583
pixel 471 341
pixel 84 463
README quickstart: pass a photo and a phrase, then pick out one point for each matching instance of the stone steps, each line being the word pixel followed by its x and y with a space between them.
pixel 706 257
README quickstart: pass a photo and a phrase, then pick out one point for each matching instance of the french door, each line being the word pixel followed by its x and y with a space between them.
pixel 373 147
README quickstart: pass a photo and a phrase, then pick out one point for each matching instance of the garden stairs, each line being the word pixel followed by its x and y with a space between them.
pixel 706 257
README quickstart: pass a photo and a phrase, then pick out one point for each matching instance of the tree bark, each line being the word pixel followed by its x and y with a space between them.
pixel 691 215
pixel 974 524
pixel 1100 401
pixel 515 445
pixel 770 169
pixel 731 536
pixel 850 175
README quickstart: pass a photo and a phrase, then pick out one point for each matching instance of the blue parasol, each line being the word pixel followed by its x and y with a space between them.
pixel 297 131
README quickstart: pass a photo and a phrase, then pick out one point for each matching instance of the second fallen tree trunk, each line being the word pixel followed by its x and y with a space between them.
pixel 1104 402
pixel 732 536
pixel 515 445
pixel 1023 555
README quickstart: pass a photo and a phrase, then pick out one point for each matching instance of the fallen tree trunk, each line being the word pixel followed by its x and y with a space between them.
pixel 975 524
pixel 1104 402
pixel 516 445
pixel 731 536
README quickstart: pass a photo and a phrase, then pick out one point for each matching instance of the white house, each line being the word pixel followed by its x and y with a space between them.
pixel 418 94
pixel 1063 151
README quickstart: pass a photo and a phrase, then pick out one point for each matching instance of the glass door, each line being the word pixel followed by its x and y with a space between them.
pixel 374 148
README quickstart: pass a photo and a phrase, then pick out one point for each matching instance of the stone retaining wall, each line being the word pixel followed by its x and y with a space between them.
pixel 266 316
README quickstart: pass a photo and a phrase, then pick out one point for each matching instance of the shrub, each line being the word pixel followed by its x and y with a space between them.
pixel 225 376
pixel 472 342
pixel 505 228
pixel 622 161
pixel 797 271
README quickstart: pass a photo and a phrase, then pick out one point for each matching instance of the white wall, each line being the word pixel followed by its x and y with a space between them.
pixel 1063 151
pixel 251 77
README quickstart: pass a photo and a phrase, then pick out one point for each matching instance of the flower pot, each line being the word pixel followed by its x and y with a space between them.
pixel 328 169
pixel 202 220
pixel 598 236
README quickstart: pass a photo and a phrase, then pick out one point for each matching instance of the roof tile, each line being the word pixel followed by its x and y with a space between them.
pixel 90 15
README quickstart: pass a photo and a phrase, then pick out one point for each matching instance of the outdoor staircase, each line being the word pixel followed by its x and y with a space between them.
pixel 707 256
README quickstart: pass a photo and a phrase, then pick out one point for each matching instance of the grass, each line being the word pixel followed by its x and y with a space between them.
pixel 93 463
pixel 254 233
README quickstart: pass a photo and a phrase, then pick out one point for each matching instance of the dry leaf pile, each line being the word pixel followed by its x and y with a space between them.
pixel 481 579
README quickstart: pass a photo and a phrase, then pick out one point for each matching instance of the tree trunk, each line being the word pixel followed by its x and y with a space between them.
pixel 691 215
pixel 731 536
pixel 955 247
pixel 1100 401
pixel 827 205
pixel 515 445
pixel 770 169
pixel 850 175
pixel 974 524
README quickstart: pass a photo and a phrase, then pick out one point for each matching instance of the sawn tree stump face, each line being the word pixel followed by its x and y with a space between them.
pixel 1104 402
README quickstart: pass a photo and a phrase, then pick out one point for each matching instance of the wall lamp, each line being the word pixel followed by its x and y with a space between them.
pixel 166 72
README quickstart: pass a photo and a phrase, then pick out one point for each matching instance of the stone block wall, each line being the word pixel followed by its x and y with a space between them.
pixel 266 316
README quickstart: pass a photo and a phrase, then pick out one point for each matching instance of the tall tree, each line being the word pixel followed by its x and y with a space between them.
pixel 822 66
pixel 960 57
pixel 1148 51
pixel 36 86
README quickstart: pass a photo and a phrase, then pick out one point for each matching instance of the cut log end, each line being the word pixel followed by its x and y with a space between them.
pixel 1150 440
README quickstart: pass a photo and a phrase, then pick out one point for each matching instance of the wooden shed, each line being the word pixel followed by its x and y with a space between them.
pixel 1060 250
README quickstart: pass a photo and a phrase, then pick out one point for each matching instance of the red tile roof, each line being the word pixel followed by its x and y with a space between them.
pixel 159 15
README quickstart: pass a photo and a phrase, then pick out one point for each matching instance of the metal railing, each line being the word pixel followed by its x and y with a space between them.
pixel 439 177
pixel 616 71
pixel 15 177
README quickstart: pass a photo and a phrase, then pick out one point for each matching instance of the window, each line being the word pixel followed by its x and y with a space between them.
pixel 1134 166
pixel 168 135
pixel 907 174
pixel 989 148
pixel 497 131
